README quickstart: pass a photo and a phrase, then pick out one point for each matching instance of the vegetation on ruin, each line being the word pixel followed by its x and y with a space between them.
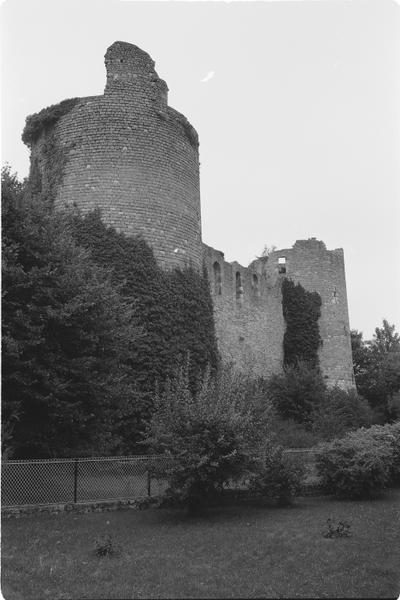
pixel 40 122
pixel 88 332
pixel 67 331
pixel 301 311
pixel 174 308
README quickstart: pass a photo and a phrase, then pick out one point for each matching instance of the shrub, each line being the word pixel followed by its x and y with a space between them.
pixel 105 546
pixel 278 480
pixel 341 530
pixel 212 436
pixel 340 411
pixel 389 434
pixel 296 393
pixel 356 466
pixel 290 434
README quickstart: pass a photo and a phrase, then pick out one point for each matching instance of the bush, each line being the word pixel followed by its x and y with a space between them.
pixel 279 480
pixel 356 466
pixel 290 434
pixel 296 393
pixel 389 434
pixel 340 411
pixel 213 436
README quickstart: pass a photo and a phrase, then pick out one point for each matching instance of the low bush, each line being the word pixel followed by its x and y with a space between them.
pixel 389 434
pixel 356 466
pixel 338 412
pixel 212 437
pixel 290 434
pixel 278 480
pixel 296 393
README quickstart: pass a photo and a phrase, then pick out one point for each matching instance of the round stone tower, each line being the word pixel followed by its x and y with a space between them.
pixel 129 154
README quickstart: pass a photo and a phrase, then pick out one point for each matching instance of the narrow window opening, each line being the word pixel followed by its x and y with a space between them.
pixel 217 278
pixel 239 288
pixel 255 283
pixel 282 265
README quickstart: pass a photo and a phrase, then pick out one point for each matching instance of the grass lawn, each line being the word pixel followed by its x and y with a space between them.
pixel 244 552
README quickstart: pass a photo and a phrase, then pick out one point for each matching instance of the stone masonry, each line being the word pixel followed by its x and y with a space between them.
pixel 134 157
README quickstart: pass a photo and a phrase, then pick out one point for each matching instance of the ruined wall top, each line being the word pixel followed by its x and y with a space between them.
pixel 128 66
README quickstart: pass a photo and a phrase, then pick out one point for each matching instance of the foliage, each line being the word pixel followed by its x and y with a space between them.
pixel 290 434
pixel 340 411
pixel 267 250
pixel 278 479
pixel 389 434
pixel 38 123
pixel 105 546
pixel 342 529
pixel 301 310
pixel 297 392
pixel 66 334
pixel 174 308
pixel 212 436
pixel 377 370
pixel 355 466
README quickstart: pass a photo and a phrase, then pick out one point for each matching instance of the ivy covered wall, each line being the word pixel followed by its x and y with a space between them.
pixel 301 311
pixel 174 308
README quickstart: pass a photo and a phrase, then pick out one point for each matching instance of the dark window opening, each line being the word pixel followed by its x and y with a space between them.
pixel 255 283
pixel 239 288
pixel 282 265
pixel 217 278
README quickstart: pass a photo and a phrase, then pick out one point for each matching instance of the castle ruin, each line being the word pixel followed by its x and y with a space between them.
pixel 131 155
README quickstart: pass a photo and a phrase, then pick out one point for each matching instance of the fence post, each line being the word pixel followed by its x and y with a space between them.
pixel 76 480
pixel 148 483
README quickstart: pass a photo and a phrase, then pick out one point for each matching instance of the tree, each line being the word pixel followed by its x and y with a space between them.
pixel 377 369
pixel 212 436
pixel 297 392
pixel 66 334
pixel 340 411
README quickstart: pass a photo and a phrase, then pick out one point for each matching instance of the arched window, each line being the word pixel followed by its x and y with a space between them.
pixel 255 283
pixel 217 278
pixel 239 288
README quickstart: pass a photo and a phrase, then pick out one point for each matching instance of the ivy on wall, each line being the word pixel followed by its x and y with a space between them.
pixel 174 308
pixel 42 121
pixel 301 311
pixel 54 156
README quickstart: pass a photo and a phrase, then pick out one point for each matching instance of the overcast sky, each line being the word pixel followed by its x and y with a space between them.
pixel 297 105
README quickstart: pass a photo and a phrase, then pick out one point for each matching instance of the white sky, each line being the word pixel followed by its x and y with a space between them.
pixel 297 105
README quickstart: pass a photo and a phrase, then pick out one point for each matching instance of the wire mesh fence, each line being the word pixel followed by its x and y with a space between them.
pixel 54 481
pixel 58 481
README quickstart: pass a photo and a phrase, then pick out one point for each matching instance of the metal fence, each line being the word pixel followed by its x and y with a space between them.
pixel 74 480
pixel 57 481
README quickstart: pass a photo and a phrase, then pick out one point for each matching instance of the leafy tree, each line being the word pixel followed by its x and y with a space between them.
pixel 66 334
pixel 377 370
pixel 212 436
pixel 297 392
pixel 338 412
pixel 174 308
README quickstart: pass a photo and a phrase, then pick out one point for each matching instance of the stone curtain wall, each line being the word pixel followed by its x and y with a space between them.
pixel 250 324
pixel 132 156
